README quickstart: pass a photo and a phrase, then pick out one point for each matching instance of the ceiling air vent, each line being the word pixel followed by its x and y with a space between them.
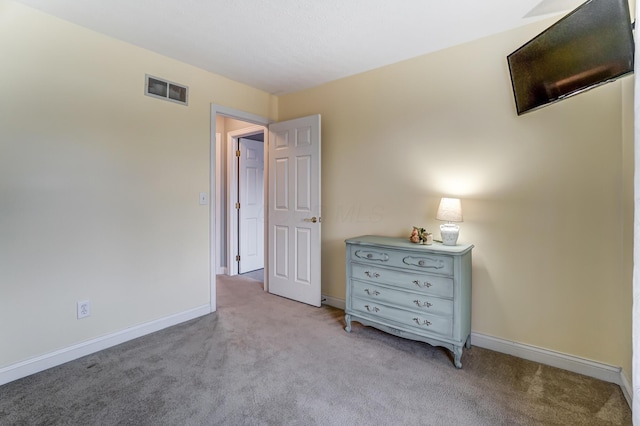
pixel 163 89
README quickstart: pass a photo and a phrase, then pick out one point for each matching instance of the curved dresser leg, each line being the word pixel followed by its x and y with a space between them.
pixel 468 343
pixel 347 319
pixel 457 354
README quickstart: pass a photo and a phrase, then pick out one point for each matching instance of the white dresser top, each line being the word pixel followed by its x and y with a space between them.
pixel 404 243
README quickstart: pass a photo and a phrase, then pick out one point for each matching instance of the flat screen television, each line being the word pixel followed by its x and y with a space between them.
pixel 588 47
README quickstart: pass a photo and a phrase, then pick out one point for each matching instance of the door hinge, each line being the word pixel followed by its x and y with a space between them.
pixel 238 153
pixel 238 258
pixel 237 205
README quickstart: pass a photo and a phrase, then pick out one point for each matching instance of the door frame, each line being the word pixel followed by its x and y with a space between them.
pixel 214 200
pixel 232 190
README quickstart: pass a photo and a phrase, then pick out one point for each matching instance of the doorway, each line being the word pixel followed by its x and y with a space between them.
pixel 250 204
pixel 291 160
pixel 219 217
pixel 245 198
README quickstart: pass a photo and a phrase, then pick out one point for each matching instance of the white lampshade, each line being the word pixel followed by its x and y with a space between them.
pixel 450 210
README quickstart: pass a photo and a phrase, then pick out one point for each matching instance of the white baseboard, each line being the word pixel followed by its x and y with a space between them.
pixel 572 363
pixel 333 301
pixel 575 364
pixel 222 270
pixel 627 389
pixel 605 372
pixel 26 368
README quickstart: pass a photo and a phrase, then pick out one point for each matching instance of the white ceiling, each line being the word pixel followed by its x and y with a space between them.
pixel 282 46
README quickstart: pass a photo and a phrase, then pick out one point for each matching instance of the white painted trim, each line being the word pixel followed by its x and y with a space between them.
pixel 627 389
pixel 598 370
pixel 31 366
pixel 266 209
pixel 238 115
pixel 233 138
pixel 333 301
pixel 218 203
pixel 572 363
pixel 213 252
pixel 255 119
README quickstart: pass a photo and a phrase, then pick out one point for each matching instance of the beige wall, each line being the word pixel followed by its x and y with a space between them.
pixel 99 184
pixel 542 193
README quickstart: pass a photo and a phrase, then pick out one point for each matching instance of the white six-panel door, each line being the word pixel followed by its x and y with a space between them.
pixel 251 212
pixel 294 209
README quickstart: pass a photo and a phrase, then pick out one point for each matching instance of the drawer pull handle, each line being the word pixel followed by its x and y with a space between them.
pixel 422 322
pixel 371 309
pixel 421 263
pixel 427 284
pixel 369 292
pixel 422 304
pixel 372 275
pixel 372 255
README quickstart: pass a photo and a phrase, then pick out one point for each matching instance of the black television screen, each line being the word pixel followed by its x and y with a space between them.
pixel 590 46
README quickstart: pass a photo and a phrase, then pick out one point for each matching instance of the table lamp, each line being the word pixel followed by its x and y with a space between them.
pixel 450 210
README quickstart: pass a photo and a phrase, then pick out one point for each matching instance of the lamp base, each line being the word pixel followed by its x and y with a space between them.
pixel 449 233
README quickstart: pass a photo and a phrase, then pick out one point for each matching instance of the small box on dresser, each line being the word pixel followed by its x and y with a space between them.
pixel 419 292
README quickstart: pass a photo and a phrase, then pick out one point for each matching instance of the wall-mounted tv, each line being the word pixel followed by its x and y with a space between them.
pixel 588 47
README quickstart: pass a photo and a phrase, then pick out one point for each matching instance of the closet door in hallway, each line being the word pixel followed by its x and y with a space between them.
pixel 251 199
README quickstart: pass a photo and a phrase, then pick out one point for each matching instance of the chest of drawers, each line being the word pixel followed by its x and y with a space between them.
pixel 419 292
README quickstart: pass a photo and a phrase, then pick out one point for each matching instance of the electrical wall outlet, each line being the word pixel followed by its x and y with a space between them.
pixel 84 309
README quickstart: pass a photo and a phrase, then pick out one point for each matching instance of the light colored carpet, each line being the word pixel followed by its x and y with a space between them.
pixel 256 275
pixel 266 360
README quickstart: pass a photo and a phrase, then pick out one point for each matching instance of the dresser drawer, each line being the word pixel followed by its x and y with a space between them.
pixel 430 263
pixel 419 321
pixel 415 301
pixel 429 284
